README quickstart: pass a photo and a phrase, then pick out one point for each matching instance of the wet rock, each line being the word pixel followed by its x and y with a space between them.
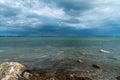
pixel 82 77
pixel 97 66
pixel 71 75
pixel 80 61
pixel 11 70
pixel 27 75
pixel 118 77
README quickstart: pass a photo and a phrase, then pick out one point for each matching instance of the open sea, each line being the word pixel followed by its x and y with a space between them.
pixel 56 52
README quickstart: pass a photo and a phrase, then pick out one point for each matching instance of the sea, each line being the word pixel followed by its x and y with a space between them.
pixel 61 52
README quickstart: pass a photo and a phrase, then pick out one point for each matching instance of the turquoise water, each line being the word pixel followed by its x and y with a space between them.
pixel 46 52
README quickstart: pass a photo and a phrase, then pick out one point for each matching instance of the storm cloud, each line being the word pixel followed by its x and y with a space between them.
pixel 59 17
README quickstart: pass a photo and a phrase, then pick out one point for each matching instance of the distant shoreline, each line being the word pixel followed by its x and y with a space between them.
pixel 62 36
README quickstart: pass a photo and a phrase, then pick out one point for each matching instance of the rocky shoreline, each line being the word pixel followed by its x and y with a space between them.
pixel 38 75
pixel 85 75
pixel 17 71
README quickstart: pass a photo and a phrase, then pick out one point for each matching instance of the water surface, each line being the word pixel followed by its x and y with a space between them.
pixel 46 52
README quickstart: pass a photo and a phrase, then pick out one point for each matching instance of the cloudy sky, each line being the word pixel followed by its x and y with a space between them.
pixel 59 17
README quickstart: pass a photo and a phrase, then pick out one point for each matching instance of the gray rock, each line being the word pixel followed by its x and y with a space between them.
pixel 27 75
pixel 11 70
pixel 9 77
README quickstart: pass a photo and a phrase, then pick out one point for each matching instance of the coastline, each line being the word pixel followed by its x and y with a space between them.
pixel 72 69
pixel 87 71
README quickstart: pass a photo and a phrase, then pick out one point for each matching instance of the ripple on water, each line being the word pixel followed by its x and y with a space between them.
pixel 1 51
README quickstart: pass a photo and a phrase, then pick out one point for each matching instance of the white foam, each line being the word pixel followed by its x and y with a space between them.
pixel 104 51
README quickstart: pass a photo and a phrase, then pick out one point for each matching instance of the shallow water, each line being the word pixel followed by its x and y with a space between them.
pixel 46 52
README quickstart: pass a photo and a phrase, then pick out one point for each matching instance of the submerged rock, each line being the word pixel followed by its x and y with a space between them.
pixel 97 66
pixel 11 70
pixel 80 61
pixel 118 77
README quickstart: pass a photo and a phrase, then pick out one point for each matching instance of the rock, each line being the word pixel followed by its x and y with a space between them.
pixel 118 78
pixel 104 51
pixel 27 75
pixel 11 70
pixel 97 66
pixel 80 61
pixel 83 77
pixel 9 77
pixel 71 75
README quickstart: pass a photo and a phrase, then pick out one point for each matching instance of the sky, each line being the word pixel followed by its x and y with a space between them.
pixel 59 18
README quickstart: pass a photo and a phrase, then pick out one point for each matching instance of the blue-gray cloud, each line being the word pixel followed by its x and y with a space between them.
pixel 7 11
pixel 73 7
pixel 59 17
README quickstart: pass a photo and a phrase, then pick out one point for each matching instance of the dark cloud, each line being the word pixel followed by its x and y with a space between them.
pixel 73 7
pixel 8 11
pixel 50 30
pixel 58 17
